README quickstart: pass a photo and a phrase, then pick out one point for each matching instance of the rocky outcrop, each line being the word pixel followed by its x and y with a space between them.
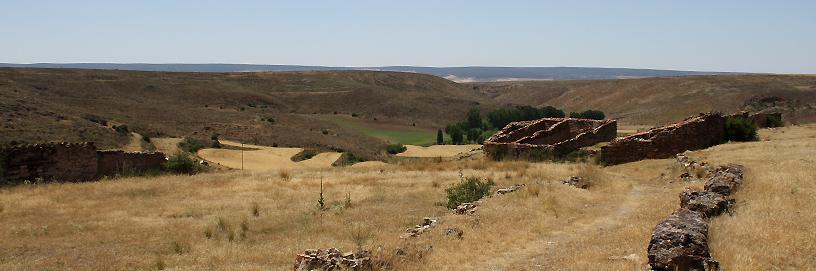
pixel 698 132
pixel 680 242
pixel 547 137
pixel 332 259
pixel 576 181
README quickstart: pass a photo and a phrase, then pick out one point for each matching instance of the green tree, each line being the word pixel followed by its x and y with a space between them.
pixel 740 129
pixel 474 119
pixel 473 134
pixel 440 139
pixel 457 135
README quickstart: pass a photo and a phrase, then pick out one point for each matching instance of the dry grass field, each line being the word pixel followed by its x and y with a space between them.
pixel 258 220
pixel 437 150
pixel 256 157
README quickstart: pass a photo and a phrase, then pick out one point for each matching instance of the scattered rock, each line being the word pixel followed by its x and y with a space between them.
pixel 332 259
pixel 725 179
pixel 417 230
pixel 707 202
pixel 579 182
pixel 680 242
pixel 467 208
pixel 454 232
pixel 509 189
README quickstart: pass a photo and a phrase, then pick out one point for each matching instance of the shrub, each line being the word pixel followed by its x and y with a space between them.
pixel 395 148
pixel 182 163
pixel 146 138
pixel 191 145
pixel 589 114
pixel 775 121
pixel 469 189
pixel 96 119
pixel 122 129
pixel 740 129
pixel 440 139
pixel 347 159
pixel 305 154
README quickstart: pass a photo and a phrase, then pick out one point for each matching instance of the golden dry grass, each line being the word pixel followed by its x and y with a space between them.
pixel 437 150
pixel 256 157
pixel 209 221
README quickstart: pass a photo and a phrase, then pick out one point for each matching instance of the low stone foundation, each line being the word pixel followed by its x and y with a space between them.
pixel 70 162
pixel 547 137
pixel 693 133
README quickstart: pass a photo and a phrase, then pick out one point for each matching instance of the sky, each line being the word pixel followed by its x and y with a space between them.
pixel 739 36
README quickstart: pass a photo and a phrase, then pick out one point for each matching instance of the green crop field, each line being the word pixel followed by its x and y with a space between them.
pixel 407 135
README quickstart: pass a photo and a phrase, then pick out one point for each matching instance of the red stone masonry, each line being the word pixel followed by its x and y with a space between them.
pixel 694 133
pixel 547 137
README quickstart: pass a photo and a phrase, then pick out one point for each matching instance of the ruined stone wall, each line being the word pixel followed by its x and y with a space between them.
pixel 70 162
pixel 547 137
pixel 606 132
pixel 693 133
pixel 48 162
pixel 115 162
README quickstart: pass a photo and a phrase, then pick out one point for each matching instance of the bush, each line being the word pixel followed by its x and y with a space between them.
pixel 182 163
pixel 469 189
pixel 146 138
pixel 589 114
pixel 395 148
pixel 740 129
pixel 191 145
pixel 440 139
pixel 122 129
pixel 305 154
pixel 775 121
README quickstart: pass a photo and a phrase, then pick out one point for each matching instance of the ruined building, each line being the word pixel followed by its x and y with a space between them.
pixel 694 133
pixel 70 162
pixel 547 137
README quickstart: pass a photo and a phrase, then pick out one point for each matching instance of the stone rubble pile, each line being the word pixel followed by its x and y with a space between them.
pixel 467 208
pixel 576 181
pixel 693 170
pixel 680 242
pixel 510 189
pixel 332 259
pixel 417 230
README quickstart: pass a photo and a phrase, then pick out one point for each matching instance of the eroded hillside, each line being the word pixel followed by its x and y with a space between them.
pixel 652 101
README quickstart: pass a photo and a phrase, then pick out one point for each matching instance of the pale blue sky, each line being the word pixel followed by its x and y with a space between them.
pixel 747 36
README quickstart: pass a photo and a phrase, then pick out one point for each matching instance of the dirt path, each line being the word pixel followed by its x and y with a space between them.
pixel 534 255
pixel 135 144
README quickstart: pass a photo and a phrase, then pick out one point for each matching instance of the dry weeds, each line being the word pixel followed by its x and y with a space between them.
pixel 260 220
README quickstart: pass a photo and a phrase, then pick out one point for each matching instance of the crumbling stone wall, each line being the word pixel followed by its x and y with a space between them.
pixel 680 242
pixel 48 162
pixel 698 132
pixel 69 162
pixel 547 137
pixel 115 162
